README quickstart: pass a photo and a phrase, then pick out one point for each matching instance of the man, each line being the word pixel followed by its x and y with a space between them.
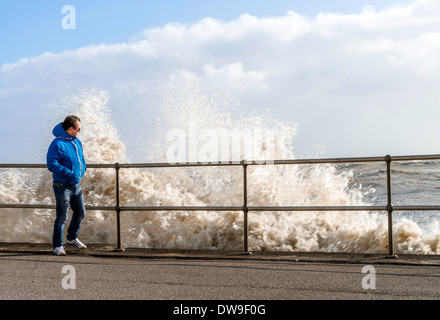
pixel 66 161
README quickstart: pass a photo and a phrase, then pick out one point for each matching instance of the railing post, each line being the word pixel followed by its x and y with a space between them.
pixel 245 210
pixel 118 210
pixel 389 208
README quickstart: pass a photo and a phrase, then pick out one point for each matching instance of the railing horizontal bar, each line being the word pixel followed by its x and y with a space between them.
pixel 127 208
pixel 48 206
pixel 180 208
pixel 237 163
pixel 100 165
pixel 43 166
pixel 26 206
pixel 319 208
pixel 348 160
pixel 416 208
pixel 420 157
pixel 231 208
pixel 326 160
pixel 177 165
pixel 103 208
pixel 23 165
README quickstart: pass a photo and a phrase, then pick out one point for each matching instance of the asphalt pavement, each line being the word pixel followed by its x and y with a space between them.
pixel 32 272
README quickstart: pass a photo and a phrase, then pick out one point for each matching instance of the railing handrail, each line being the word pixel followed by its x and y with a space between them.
pixel 246 208
pixel 238 163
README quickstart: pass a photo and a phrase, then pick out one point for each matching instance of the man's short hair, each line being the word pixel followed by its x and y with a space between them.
pixel 70 121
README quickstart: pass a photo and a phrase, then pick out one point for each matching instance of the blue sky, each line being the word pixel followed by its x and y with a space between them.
pixel 348 77
pixel 30 28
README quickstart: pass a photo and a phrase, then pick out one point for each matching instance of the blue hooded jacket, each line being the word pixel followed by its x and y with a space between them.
pixel 65 157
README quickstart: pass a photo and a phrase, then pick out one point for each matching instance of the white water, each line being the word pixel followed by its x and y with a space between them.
pixel 208 186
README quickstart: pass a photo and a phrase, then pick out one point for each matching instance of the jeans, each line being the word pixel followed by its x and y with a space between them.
pixel 66 195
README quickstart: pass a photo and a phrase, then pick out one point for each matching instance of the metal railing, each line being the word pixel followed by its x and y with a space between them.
pixel 388 207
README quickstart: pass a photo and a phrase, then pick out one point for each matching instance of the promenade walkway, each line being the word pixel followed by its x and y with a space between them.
pixel 33 272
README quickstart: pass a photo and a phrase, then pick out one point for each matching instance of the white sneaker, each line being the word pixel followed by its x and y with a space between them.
pixel 76 243
pixel 59 251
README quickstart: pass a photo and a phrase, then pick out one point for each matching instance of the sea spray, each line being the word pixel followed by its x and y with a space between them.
pixel 268 185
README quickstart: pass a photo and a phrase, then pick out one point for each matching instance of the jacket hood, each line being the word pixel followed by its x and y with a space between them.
pixel 58 132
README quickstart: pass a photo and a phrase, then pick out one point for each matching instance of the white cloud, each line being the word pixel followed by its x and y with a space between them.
pixel 341 77
pixel 233 77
